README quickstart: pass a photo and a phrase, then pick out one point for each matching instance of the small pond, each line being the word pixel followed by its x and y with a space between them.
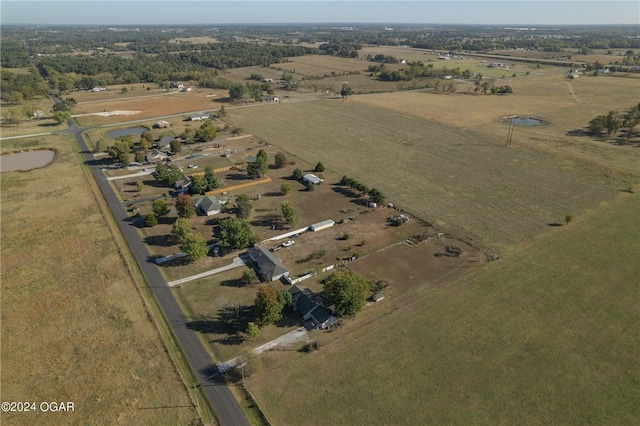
pixel 526 121
pixel 26 160
pixel 114 134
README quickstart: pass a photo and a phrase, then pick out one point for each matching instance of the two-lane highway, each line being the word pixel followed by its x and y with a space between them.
pixel 224 404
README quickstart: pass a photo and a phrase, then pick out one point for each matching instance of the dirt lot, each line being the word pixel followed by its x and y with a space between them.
pixel 150 104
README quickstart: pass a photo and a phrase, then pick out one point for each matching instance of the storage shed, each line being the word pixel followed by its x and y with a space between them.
pixel 322 225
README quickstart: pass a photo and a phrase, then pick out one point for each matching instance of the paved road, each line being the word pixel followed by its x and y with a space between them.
pixel 224 404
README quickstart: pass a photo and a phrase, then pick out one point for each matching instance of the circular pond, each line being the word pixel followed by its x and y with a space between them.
pixel 26 160
pixel 114 134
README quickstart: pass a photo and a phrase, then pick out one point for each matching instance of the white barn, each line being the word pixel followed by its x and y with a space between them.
pixel 322 225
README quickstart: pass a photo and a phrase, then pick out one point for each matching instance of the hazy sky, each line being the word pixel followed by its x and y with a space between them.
pixel 141 12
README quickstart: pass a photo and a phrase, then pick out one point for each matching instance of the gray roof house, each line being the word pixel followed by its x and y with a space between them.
pixel 165 142
pixel 316 315
pixel 198 117
pixel 268 266
pixel 155 156
pixel 208 205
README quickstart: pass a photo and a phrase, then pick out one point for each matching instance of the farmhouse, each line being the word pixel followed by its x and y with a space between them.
pixel 322 225
pixel 209 205
pixel 316 315
pixel 269 268
pixel 183 184
pixel 311 179
pixel 155 156
pixel 444 57
pixel 198 117
pixel 497 65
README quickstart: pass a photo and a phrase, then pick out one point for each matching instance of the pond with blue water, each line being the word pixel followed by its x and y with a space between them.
pixel 114 134
pixel 526 121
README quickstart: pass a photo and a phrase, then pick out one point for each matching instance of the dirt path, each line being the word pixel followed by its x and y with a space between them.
pixel 573 93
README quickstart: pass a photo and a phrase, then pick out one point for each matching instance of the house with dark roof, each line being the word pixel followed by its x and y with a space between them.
pixel 316 315
pixel 155 156
pixel 268 266
pixel 165 143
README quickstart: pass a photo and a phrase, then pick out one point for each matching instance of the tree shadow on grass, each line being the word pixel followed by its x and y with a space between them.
pixel 238 283
pixel 160 240
pixel 268 220
pixel 554 224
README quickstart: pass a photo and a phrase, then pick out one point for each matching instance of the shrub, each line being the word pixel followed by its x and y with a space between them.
pixel 345 236
pixel 150 220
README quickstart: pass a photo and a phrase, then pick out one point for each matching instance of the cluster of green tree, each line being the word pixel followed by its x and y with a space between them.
pixel 239 91
pixel 343 49
pixel 82 72
pixel 375 196
pixel 259 167
pixel 14 53
pixel 614 122
pixel 488 87
pixel 200 184
pixel 347 292
pixel 191 243
pixel 270 303
pixel 383 59
pixel 419 70
pixel 16 88
pixel 167 175
pixel 207 132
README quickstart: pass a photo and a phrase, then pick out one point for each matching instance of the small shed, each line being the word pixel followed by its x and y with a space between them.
pixel 161 124
pixel 378 296
pixel 322 225
pixel 311 179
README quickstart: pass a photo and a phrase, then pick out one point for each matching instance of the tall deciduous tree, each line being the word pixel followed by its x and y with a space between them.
pixel 184 206
pixel 181 228
pixel 347 292
pixel 280 160
pixel 119 152
pixel 268 308
pixel 160 207
pixel 236 233
pixel 194 245
pixel 243 206
pixel 289 213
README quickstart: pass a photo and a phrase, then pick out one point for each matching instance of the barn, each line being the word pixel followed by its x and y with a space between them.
pixel 322 225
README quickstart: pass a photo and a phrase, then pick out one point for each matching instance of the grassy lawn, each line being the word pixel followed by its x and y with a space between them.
pixel 73 326
pixel 548 335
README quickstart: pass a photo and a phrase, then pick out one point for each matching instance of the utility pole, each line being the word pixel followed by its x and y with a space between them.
pixel 510 133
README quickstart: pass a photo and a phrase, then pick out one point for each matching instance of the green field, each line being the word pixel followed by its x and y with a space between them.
pixel 548 335
pixel 73 325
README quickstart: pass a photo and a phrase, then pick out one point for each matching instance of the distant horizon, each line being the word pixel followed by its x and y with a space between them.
pixel 516 13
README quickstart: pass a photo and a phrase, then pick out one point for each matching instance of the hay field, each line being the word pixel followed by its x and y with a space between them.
pixel 549 335
pixel 462 180
pixel 73 325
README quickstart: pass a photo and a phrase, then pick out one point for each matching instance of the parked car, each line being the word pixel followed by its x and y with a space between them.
pixel 192 166
pixel 288 243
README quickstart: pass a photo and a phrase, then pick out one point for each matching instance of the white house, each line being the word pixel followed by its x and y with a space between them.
pixel 311 179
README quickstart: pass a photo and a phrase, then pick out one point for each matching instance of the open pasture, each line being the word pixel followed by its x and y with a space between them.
pixel 457 178
pixel 149 107
pixel 547 335
pixel 73 325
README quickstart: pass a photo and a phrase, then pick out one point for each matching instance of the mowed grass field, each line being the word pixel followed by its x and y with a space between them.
pixel 548 335
pixel 462 179
pixel 73 325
